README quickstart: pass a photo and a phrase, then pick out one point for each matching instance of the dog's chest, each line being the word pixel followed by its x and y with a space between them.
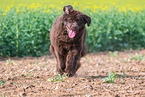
pixel 65 43
pixel 64 38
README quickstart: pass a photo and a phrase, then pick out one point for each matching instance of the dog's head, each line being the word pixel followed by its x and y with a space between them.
pixel 74 20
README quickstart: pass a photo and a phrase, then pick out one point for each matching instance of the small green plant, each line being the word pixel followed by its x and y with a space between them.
pixel 111 77
pixel 124 75
pixel 2 82
pixel 87 59
pixel 36 64
pixel 29 74
pixel 10 62
pixel 3 95
pixel 113 54
pixel 57 78
pixel 123 60
pixel 137 57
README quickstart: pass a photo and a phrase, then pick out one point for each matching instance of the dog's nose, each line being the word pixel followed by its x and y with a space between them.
pixel 75 27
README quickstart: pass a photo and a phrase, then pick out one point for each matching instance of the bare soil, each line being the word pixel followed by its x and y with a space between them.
pixel 29 76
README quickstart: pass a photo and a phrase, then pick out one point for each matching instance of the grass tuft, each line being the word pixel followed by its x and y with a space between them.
pixel 111 77
pixel 137 57
pixel 2 82
pixel 113 54
pixel 58 77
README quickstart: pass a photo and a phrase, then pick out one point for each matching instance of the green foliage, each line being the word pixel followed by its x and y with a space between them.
pixel 2 82
pixel 10 62
pixel 3 95
pixel 26 32
pixel 113 54
pixel 123 75
pixel 116 30
pixel 111 77
pixel 57 78
pixel 137 57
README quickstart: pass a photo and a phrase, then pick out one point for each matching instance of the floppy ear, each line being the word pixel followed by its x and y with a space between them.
pixel 87 20
pixel 67 9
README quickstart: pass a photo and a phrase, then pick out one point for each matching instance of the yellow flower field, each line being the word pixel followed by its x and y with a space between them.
pixel 82 4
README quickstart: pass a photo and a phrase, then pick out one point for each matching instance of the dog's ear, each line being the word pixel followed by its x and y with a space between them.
pixel 87 20
pixel 67 9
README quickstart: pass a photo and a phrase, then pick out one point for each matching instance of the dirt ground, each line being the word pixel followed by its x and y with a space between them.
pixel 29 76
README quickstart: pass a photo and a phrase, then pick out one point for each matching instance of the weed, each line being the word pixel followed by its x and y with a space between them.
pixel 10 62
pixel 111 77
pixel 2 82
pixel 57 78
pixel 137 57
pixel 87 59
pixel 113 54
pixel 123 60
pixel 124 75
pixel 29 74
pixel 4 95
pixel 36 64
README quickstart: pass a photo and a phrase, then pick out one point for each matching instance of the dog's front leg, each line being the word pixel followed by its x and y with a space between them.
pixel 60 63
pixel 72 62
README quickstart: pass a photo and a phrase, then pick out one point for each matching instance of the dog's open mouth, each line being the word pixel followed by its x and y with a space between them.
pixel 71 33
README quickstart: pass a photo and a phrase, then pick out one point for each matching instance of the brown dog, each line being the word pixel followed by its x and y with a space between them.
pixel 67 38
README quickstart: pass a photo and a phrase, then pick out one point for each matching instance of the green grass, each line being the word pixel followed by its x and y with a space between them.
pixel 10 62
pixel 3 95
pixel 137 57
pixel 57 78
pixel 112 76
pixel 2 82
pixel 113 54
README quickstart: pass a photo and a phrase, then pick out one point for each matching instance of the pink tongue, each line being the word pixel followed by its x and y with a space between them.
pixel 71 34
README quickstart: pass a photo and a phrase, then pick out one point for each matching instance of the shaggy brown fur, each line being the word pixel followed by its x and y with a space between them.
pixel 67 38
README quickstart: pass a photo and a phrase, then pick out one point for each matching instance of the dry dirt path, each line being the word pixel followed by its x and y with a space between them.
pixel 29 76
